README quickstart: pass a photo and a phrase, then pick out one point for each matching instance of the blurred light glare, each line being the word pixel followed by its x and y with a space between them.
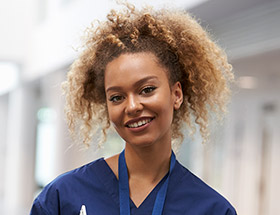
pixel 9 76
pixel 247 82
pixel 46 114
pixel 176 3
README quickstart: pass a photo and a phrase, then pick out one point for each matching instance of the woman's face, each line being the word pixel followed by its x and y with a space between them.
pixel 140 101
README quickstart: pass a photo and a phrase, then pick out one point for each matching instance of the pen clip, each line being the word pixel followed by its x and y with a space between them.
pixel 83 210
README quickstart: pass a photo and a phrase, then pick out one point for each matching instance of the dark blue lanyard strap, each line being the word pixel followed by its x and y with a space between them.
pixel 124 188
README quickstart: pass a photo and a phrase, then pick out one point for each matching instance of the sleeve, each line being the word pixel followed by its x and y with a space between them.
pixel 231 211
pixel 47 202
pixel 37 209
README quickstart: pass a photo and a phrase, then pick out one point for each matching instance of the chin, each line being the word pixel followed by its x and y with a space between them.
pixel 141 144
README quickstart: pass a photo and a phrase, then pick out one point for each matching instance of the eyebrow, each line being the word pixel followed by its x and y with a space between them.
pixel 137 83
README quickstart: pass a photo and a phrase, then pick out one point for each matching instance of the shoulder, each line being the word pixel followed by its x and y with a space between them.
pixel 67 187
pixel 87 172
pixel 113 164
pixel 197 194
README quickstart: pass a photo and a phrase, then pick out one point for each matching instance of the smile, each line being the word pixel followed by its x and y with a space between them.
pixel 139 123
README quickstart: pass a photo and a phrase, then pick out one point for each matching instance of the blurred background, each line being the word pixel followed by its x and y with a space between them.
pixel 38 42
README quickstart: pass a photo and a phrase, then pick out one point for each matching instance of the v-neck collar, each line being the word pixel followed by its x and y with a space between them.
pixel 151 195
pixel 111 183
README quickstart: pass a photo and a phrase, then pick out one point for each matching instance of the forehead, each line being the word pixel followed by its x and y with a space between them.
pixel 132 67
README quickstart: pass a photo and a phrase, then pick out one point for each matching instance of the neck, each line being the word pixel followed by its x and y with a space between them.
pixel 148 163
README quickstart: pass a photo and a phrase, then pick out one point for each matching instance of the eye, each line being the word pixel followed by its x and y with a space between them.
pixel 147 90
pixel 115 99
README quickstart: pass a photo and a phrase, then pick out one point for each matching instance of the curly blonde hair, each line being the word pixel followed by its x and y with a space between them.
pixel 180 45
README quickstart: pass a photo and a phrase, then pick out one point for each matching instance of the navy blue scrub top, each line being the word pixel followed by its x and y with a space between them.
pixel 96 186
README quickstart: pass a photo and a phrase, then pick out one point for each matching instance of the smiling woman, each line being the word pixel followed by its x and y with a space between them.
pixel 146 73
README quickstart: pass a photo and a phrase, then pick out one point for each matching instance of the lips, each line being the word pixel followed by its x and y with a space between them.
pixel 139 122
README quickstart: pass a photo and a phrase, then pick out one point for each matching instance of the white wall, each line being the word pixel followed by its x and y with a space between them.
pixel 20 150
pixel 16 23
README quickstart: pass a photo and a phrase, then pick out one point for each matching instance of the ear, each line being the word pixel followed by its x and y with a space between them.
pixel 177 94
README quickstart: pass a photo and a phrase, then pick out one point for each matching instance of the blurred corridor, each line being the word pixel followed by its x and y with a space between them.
pixel 38 42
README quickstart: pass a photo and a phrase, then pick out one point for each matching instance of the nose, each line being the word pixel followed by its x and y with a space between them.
pixel 133 106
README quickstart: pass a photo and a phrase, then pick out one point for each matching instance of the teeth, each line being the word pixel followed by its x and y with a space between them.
pixel 140 123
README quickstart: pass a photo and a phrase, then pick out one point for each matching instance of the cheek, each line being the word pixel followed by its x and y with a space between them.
pixel 111 114
pixel 162 104
pixel 114 114
pixel 109 111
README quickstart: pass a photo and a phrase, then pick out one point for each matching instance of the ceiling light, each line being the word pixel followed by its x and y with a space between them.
pixel 159 3
pixel 247 82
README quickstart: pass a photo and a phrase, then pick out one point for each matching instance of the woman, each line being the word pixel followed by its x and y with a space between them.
pixel 147 73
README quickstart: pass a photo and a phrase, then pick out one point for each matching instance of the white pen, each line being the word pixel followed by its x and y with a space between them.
pixel 83 210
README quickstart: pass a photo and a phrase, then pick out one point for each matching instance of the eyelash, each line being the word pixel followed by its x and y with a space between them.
pixel 146 90
pixel 113 99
